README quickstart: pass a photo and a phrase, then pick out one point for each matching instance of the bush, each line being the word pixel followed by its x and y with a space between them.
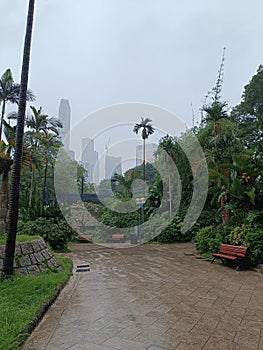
pixel 237 235
pixel 56 233
pixel 254 218
pixel 172 233
pixel 208 239
pixel 254 241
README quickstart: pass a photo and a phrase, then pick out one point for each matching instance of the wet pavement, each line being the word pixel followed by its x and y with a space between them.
pixel 153 297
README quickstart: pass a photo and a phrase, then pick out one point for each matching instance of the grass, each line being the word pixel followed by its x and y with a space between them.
pixel 21 298
pixel 19 238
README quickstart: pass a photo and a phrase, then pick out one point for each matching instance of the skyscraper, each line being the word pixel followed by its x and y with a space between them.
pixel 89 158
pixel 150 149
pixel 112 166
pixel 64 116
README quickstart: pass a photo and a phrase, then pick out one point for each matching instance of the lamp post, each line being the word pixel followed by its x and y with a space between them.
pixel 140 202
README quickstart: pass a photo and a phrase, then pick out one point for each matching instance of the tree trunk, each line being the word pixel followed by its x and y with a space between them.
pixel 2 118
pixel 144 159
pixel 31 188
pixel 8 263
pixel 5 194
pixel 44 187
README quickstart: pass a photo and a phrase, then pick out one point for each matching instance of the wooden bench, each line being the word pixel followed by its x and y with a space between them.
pixel 117 237
pixel 85 238
pixel 235 253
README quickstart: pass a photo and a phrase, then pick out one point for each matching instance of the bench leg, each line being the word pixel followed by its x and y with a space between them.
pixel 213 260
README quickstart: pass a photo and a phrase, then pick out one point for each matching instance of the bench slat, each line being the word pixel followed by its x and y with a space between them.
pixel 230 257
pixel 232 252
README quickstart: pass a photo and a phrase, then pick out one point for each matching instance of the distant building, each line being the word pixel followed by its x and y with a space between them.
pixel 150 149
pixel 64 114
pixel 112 166
pixel 89 158
pixel 71 154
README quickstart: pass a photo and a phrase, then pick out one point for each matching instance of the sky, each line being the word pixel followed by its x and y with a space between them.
pixel 161 52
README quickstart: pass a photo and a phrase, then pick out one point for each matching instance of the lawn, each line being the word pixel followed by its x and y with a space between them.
pixel 21 298
pixel 19 238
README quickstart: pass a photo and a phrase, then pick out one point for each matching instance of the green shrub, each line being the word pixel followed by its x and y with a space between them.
pixel 114 218
pixel 254 218
pixel 172 233
pixel 208 239
pixel 251 237
pixel 237 235
pixel 254 241
pixel 56 233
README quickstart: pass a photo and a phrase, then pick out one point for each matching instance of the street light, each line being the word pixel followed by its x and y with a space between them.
pixel 140 202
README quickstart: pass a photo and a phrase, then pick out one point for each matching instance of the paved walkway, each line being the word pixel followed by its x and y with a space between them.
pixel 155 298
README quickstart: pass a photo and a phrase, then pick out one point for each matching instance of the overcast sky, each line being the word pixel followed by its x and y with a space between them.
pixel 164 52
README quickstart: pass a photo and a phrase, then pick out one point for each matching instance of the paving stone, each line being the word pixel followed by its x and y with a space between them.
pixel 24 260
pixel 154 298
pixel 34 269
pixel 36 246
pixel 39 257
pixel 42 267
pixel 22 271
pixel 18 249
pixel 26 248
pixel 42 244
pixel 33 259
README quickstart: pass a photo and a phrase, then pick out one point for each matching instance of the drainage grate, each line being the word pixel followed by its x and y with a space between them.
pixel 83 268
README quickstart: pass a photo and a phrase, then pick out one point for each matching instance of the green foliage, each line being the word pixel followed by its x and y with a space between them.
pixel 21 298
pixel 172 233
pixel 254 240
pixel 208 239
pixel 238 235
pixel 254 218
pixel 57 233
pixel 113 218
pixel 251 237
pixel 19 238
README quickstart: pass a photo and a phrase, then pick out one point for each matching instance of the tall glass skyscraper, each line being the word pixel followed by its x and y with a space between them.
pixel 64 114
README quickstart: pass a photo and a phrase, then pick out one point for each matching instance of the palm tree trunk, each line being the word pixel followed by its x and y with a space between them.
pixel 16 172
pixel 2 118
pixel 44 187
pixel 31 188
pixel 4 200
pixel 143 159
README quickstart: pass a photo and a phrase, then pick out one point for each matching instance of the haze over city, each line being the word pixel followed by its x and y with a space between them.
pixel 165 53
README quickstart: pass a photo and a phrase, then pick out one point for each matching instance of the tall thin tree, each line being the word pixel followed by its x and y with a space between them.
pixel 8 263
pixel 9 92
pixel 147 130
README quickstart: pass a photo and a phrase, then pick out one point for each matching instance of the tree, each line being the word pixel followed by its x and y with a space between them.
pixel 41 124
pixel 6 161
pixel 8 264
pixel 214 111
pixel 9 92
pixel 50 145
pixel 147 130
pixel 248 115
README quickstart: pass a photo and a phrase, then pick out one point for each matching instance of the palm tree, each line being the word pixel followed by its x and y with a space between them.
pixel 41 124
pixel 49 144
pixel 9 92
pixel 147 130
pixel 6 161
pixel 8 264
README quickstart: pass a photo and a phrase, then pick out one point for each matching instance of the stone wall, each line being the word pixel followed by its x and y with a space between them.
pixel 31 258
